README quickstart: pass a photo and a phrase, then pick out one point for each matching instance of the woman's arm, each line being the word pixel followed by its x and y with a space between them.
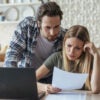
pixel 95 77
pixel 40 73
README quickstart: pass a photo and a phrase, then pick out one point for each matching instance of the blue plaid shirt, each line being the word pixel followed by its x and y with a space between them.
pixel 21 48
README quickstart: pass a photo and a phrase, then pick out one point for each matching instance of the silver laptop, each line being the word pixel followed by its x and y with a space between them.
pixel 18 83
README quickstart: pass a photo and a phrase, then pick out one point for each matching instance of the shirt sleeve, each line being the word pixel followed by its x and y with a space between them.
pixel 16 46
pixel 53 61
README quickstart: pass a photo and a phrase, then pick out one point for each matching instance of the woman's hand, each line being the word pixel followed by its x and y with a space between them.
pixel 90 47
pixel 50 89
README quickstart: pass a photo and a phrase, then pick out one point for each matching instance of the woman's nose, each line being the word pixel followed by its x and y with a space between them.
pixel 72 50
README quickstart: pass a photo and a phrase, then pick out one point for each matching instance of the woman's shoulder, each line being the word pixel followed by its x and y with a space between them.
pixel 54 60
pixel 57 54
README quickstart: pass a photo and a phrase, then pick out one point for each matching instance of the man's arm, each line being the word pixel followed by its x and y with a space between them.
pixel 16 47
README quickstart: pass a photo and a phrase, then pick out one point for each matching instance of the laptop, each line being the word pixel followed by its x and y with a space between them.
pixel 18 83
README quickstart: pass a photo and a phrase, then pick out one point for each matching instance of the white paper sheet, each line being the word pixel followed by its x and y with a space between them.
pixel 67 80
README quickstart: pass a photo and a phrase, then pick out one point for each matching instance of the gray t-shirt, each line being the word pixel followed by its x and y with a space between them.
pixel 42 51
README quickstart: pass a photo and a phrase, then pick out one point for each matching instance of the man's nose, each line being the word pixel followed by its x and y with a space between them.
pixel 52 32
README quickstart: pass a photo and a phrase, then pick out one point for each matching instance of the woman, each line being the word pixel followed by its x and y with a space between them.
pixel 79 55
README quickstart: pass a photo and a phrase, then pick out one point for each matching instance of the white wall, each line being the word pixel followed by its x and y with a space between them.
pixel 84 12
pixel 6 31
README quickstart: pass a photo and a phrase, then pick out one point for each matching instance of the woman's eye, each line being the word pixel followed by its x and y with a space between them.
pixel 78 48
pixel 68 45
pixel 47 27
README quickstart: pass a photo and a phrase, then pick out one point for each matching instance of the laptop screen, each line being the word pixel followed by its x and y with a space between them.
pixel 18 83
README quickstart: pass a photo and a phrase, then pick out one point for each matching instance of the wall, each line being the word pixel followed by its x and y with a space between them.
pixel 6 31
pixel 84 12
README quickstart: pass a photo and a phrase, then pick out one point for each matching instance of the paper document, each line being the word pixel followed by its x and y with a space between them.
pixel 67 80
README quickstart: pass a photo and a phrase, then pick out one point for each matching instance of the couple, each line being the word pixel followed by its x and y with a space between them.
pixel 35 40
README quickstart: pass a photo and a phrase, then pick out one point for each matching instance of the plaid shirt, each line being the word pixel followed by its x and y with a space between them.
pixel 21 48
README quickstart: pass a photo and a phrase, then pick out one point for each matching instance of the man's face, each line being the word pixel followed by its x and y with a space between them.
pixel 50 27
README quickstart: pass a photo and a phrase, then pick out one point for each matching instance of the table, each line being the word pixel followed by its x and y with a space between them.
pixel 74 95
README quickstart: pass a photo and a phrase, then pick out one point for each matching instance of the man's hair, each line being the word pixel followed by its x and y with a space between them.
pixel 49 9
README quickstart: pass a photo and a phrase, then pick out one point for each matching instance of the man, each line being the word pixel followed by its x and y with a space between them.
pixel 34 40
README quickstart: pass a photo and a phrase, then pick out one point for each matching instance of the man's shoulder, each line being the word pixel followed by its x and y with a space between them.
pixel 63 30
pixel 30 21
pixel 28 27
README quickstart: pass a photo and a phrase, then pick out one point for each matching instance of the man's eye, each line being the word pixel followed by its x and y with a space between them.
pixel 57 26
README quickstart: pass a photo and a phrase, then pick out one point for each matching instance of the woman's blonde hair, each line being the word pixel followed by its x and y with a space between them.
pixel 84 61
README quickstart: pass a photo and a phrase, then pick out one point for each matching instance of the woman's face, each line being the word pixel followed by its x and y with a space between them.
pixel 73 48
